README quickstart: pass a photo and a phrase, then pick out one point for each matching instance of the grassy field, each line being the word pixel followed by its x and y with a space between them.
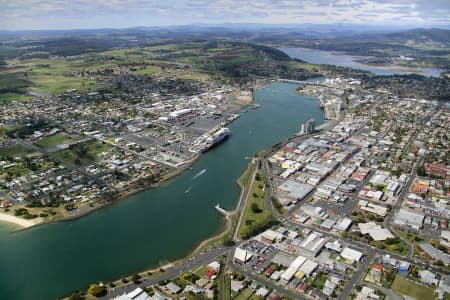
pixel 13 151
pixel 256 215
pixel 13 97
pixel 147 70
pixel 197 77
pixel 198 61
pixel 52 141
pixel 227 288
pixel 244 294
pixel 245 177
pixel 72 156
pixel 412 289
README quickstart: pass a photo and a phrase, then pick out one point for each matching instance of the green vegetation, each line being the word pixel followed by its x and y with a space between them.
pixel 245 177
pixel 395 245
pixel 147 70
pixel 256 216
pixel 81 153
pixel 80 63
pixel 13 97
pixel 413 238
pixel 412 289
pixel 52 140
pixel 244 294
pixel 13 151
pixel 24 213
pixel 319 281
pixel 97 290
pixel 12 83
pixel 227 288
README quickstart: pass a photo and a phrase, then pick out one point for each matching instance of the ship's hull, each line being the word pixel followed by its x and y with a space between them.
pixel 216 143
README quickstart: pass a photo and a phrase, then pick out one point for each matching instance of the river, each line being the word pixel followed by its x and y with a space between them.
pixel 153 226
pixel 314 56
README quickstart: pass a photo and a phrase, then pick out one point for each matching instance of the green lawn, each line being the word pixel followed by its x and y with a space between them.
pixel 13 151
pixel 245 177
pixel 52 140
pixel 256 215
pixel 13 97
pixel 72 156
pixel 227 288
pixel 412 289
pixel 201 271
pixel 244 294
pixel 16 171
pixel 147 70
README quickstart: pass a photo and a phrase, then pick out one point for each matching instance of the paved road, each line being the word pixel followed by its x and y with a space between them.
pixel 356 278
pixel 243 202
pixel 268 283
pixel 170 273
pixel 390 295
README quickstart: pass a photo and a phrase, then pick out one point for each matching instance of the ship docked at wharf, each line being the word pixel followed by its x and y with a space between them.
pixel 210 140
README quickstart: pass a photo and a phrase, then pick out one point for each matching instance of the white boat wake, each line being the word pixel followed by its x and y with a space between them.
pixel 199 174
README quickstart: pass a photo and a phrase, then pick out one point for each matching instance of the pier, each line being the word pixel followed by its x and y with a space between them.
pixel 222 211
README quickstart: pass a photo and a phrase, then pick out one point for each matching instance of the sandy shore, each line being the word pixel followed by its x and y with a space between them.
pixel 17 221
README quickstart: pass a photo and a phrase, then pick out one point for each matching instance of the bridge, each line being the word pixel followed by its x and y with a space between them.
pixel 299 81
pixel 291 80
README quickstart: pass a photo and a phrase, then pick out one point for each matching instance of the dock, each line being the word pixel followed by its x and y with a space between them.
pixel 222 211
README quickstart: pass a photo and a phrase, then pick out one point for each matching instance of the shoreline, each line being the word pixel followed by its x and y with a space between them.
pixel 27 224
pixel 394 68
pixel 228 220
pixel 23 223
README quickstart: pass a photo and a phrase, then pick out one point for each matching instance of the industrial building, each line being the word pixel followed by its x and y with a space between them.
pixel 313 244
pixel 409 218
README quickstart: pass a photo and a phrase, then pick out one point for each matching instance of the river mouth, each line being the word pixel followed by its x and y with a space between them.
pixel 156 225
pixel 314 56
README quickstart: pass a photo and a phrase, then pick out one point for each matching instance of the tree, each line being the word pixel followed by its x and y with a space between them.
pixel 439 263
pixel 229 243
pixel 135 278
pixel 421 171
pixel 96 290
pixel 255 208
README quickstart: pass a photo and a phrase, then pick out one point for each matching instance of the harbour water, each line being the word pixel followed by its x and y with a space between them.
pixel 340 59
pixel 154 226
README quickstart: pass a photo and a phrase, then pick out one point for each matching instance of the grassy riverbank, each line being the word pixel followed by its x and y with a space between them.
pixel 256 214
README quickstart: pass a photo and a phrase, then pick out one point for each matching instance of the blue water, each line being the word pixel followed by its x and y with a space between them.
pixel 153 226
pixel 339 59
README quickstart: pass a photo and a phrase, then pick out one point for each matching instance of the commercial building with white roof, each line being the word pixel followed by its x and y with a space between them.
pixel 351 254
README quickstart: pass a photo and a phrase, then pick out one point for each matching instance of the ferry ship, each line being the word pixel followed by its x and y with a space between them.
pixel 216 138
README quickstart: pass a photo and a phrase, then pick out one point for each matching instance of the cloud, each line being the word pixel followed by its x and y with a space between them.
pixel 34 14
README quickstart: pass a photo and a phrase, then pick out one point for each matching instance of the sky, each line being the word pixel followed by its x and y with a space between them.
pixel 81 14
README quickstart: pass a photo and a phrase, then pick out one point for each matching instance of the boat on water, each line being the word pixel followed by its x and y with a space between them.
pixel 216 138
pixel 199 174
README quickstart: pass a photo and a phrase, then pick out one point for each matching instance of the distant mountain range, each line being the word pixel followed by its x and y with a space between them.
pixel 307 30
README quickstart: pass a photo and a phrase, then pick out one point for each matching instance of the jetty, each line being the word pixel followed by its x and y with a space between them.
pixel 222 211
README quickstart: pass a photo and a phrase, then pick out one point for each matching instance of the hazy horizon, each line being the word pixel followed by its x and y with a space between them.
pixel 120 14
